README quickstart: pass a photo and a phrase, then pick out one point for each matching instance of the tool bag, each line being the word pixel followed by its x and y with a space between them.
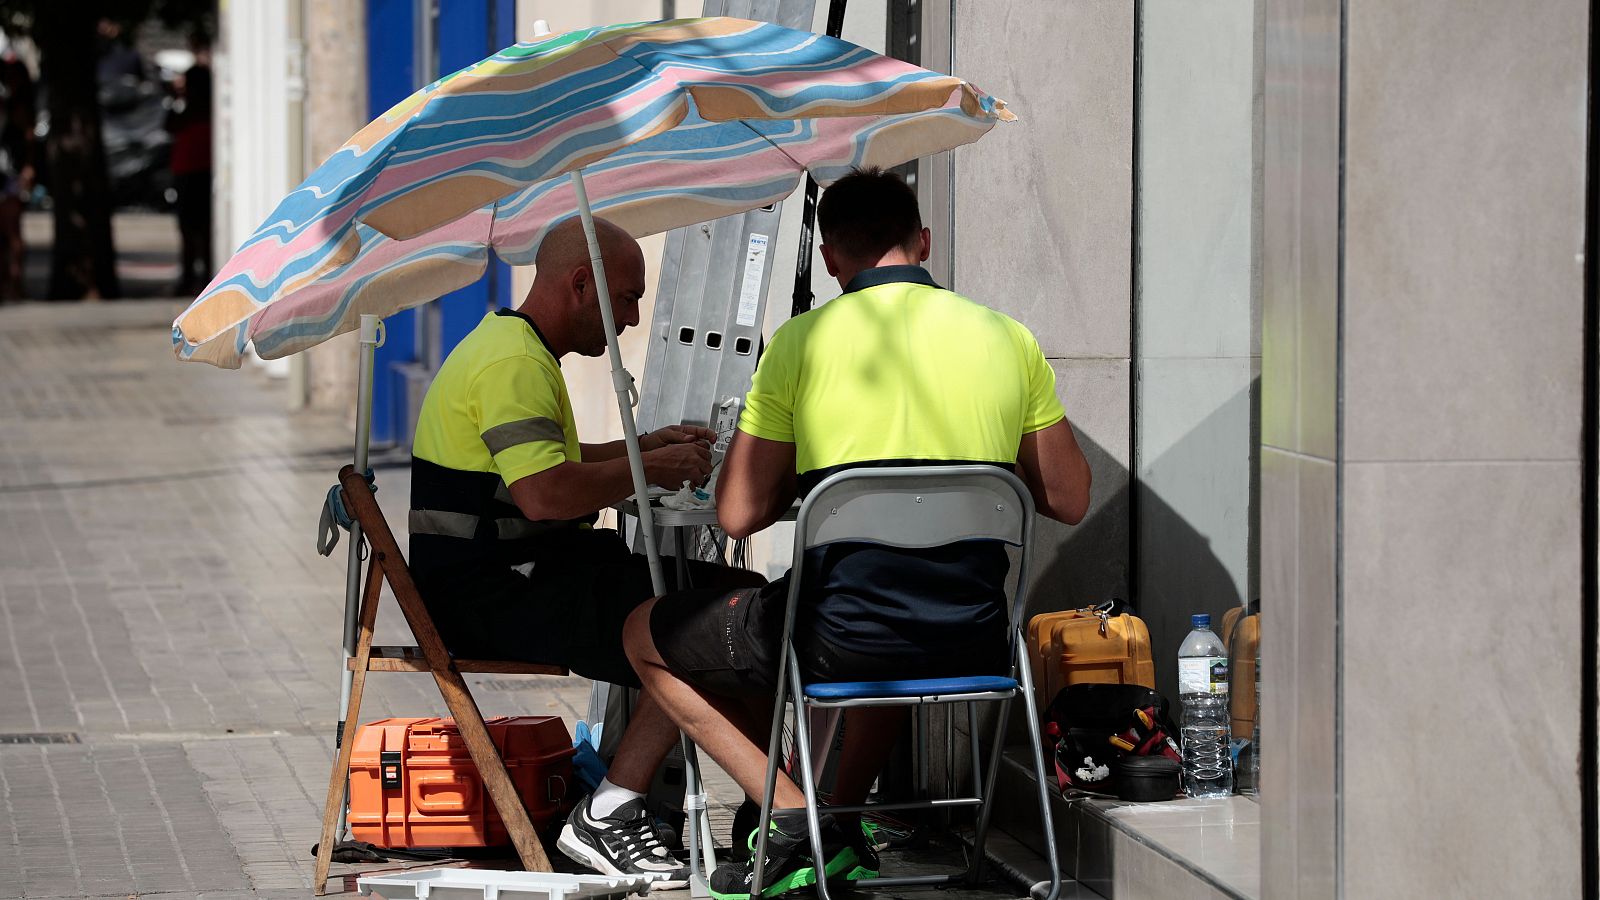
pixel 1104 644
pixel 1090 728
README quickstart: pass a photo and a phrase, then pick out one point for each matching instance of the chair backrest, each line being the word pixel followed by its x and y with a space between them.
pixel 917 506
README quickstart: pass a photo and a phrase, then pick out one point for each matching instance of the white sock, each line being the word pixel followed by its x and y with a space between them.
pixel 607 797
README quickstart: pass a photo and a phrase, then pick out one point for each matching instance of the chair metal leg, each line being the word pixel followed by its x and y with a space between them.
pixel 919 741
pixel 947 712
pixel 975 868
pixel 774 751
pixel 1039 779
pixel 974 750
pixel 702 858
pixel 975 753
pixel 802 729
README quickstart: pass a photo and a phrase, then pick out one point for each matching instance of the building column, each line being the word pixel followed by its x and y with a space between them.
pixel 335 109
pixel 1423 376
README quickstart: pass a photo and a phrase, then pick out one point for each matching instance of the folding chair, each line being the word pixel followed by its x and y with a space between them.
pixel 429 655
pixel 911 507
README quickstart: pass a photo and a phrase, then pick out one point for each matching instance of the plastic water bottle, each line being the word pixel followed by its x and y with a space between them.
pixel 1203 688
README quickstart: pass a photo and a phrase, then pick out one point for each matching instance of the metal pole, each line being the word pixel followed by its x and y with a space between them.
pixel 698 820
pixel 702 855
pixel 371 336
pixel 623 383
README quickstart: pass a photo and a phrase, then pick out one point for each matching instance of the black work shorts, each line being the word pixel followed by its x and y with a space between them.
pixel 728 643
pixel 566 613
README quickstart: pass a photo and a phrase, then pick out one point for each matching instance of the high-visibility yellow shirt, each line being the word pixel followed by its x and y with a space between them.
pixel 498 404
pixel 897 371
pixel 497 411
pixel 900 369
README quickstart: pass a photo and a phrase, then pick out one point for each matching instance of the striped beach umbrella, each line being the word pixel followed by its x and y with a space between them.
pixel 656 125
pixel 653 125
pixel 670 123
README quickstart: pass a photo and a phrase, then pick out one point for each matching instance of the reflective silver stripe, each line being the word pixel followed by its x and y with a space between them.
pixel 524 431
pixel 512 529
pixel 443 523
pixel 503 493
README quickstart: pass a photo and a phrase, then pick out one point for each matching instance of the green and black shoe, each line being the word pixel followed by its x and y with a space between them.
pixel 864 841
pixel 789 866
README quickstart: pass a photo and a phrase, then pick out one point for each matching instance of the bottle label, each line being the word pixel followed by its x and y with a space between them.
pixel 1203 675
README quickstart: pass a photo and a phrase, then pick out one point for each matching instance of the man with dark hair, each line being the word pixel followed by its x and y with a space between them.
pixel 874 215
pixel 896 371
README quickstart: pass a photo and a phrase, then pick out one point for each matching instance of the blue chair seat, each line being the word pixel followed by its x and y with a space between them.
pixel 916 687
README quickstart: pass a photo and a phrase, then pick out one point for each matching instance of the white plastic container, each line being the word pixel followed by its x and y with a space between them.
pixel 488 884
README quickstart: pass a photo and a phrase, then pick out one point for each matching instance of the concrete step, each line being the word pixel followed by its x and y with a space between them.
pixel 1178 849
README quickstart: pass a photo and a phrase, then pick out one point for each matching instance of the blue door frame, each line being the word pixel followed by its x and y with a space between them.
pixel 463 32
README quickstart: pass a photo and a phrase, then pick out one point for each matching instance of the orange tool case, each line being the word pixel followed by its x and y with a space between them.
pixel 1084 646
pixel 413 784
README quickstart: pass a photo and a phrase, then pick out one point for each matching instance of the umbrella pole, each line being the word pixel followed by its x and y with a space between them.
pixel 370 338
pixel 623 382
pixel 702 859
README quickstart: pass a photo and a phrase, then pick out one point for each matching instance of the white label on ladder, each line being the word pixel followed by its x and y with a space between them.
pixel 755 263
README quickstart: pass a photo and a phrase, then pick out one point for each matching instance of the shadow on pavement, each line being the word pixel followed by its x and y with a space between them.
pixel 147 254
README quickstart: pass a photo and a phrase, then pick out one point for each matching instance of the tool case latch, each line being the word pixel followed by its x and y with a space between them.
pixel 389 767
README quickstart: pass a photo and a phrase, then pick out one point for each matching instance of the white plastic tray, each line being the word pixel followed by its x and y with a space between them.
pixel 489 884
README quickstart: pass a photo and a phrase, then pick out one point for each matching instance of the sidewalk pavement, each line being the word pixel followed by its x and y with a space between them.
pixel 162 610
pixel 169 638
pixel 147 252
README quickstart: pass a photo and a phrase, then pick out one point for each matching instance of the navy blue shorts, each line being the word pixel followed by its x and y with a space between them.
pixel 729 642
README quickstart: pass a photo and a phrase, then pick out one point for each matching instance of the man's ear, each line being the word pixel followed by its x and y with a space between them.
pixel 578 282
pixel 828 261
pixel 925 245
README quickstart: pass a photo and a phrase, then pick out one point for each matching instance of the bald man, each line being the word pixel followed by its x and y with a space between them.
pixel 503 501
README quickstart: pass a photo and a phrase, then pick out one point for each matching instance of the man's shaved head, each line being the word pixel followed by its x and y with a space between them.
pixel 565 247
pixel 564 300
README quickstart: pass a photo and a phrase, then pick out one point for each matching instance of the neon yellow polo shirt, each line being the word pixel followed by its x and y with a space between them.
pixel 900 369
pixel 497 411
pixel 498 404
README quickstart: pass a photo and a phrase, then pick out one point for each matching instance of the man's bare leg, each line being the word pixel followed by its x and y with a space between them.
pixel 721 727
pixel 610 831
pixel 870 734
pixel 648 739
pixel 650 734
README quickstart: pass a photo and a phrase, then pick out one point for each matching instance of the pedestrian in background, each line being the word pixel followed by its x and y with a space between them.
pixel 190 124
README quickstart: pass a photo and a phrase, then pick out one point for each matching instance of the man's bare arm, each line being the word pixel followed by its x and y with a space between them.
pixel 756 486
pixel 671 434
pixel 603 452
pixel 573 489
pixel 1051 463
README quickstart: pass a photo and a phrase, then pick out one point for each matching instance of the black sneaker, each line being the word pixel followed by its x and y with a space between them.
pixel 864 841
pixel 789 866
pixel 623 843
pixel 744 823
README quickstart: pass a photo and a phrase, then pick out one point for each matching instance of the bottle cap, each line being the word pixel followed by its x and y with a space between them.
pixel 1200 620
